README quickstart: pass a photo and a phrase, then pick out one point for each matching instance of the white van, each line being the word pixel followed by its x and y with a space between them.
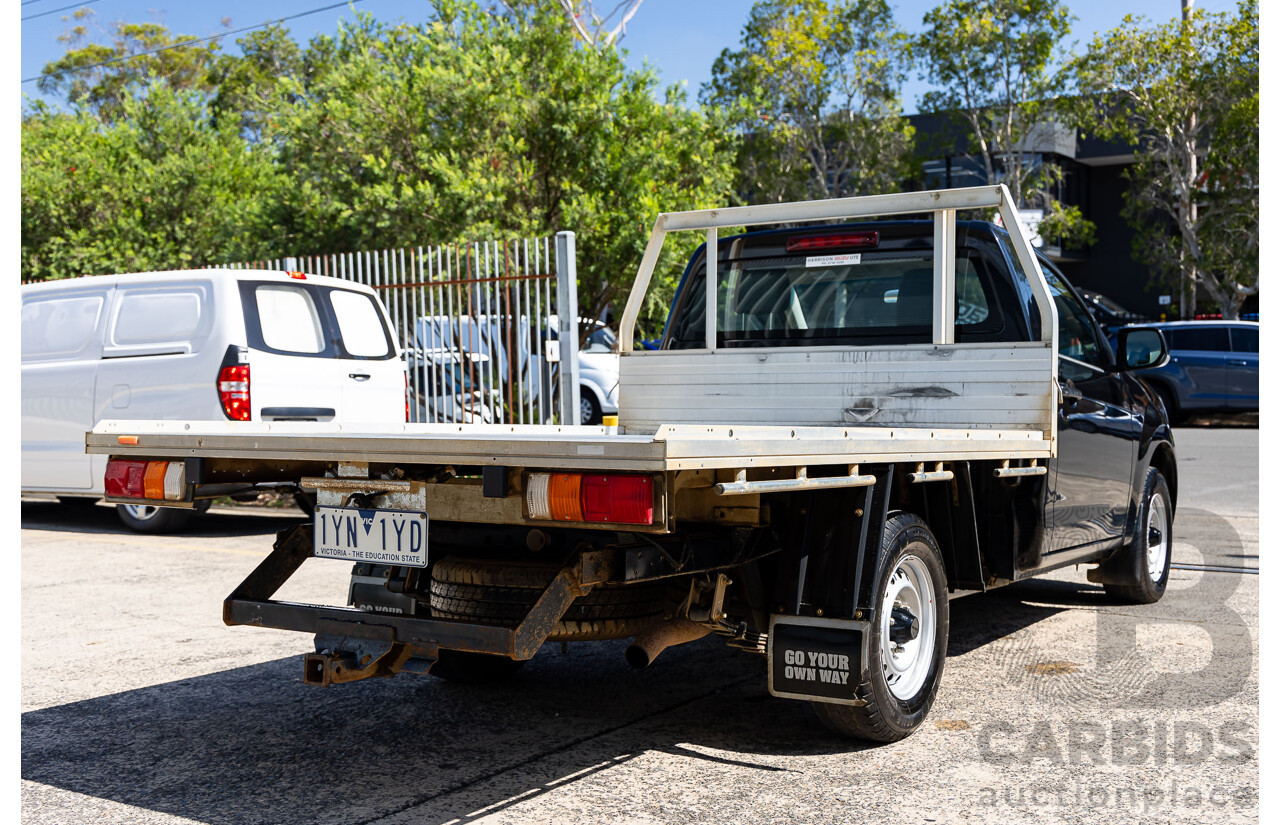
pixel 240 345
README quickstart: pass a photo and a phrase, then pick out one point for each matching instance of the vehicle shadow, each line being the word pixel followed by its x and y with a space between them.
pixel 254 744
pixel 42 514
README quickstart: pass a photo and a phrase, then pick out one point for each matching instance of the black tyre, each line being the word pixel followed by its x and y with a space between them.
pixel 902 677
pixel 592 413
pixel 145 518
pixel 501 592
pixel 473 668
pixel 1141 568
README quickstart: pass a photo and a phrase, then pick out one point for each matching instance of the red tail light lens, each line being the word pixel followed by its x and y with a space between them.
pixel 233 391
pixel 152 480
pixel 842 240
pixel 124 478
pixel 617 499
pixel 609 499
pixel 406 397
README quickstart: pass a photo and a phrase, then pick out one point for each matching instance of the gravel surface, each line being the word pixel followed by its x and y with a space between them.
pixel 140 706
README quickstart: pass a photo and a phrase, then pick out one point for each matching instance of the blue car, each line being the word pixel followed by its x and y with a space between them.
pixel 1213 367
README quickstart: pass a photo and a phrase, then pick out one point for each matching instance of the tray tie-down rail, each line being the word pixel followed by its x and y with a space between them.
pixel 354 644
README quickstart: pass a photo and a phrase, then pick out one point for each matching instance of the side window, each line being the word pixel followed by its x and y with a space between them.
pixel 1076 335
pixel 360 323
pixel 1244 339
pixel 61 326
pixel 1200 339
pixel 157 316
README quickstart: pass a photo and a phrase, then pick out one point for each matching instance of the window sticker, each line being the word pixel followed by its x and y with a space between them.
pixel 833 260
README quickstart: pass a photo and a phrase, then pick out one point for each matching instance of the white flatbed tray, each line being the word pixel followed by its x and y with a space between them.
pixel 671 447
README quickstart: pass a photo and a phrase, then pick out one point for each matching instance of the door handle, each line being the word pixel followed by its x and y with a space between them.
pixel 359 376
pixel 1236 363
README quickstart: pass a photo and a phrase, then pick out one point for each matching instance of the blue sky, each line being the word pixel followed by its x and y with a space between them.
pixel 681 38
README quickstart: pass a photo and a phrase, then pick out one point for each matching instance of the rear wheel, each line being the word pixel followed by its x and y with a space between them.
pixel 147 518
pixel 908 639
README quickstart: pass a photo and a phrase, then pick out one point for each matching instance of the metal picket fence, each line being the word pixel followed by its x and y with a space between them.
pixel 475 322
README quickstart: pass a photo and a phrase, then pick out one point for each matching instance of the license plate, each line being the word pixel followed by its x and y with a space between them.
pixel 397 537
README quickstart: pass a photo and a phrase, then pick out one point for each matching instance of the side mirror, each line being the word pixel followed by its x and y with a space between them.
pixel 1141 348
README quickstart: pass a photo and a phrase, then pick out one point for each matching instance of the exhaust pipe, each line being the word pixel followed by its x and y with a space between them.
pixel 646 646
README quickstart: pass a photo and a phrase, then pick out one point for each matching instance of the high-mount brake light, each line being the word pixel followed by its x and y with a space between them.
pixel 840 240
pixel 598 498
pixel 233 391
pixel 151 480
pixel 297 276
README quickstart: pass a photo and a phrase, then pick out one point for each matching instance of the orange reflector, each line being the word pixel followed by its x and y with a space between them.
pixel 565 496
pixel 153 479
pixel 127 439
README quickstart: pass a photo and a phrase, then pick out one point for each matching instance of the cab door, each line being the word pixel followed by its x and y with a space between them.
pixel 1092 477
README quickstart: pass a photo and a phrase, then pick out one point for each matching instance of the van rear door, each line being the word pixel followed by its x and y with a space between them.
pixel 319 353
pixel 370 369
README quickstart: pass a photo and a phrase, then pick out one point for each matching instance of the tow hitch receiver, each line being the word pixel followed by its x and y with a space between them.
pixel 822 659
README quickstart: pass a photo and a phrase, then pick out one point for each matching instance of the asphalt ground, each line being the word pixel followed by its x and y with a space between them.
pixel 1057 705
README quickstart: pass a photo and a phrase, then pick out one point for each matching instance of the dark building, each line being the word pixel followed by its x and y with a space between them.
pixel 1093 180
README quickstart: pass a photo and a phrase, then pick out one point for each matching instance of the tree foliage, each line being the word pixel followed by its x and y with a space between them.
pixel 1185 94
pixel 475 124
pixel 101 77
pixel 992 62
pixel 814 90
pixel 161 187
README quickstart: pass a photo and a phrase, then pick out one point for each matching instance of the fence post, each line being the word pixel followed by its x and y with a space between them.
pixel 567 311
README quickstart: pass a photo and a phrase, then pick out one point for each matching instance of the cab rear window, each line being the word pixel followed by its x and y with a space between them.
pixel 315 321
pixel 833 298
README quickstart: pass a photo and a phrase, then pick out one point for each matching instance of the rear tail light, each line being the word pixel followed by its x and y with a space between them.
pixel 609 499
pixel 233 391
pixel 842 240
pixel 406 397
pixel 153 480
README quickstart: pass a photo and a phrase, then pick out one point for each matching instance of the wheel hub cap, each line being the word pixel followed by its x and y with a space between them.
pixel 907 627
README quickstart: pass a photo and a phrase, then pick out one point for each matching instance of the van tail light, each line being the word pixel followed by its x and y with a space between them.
pixel 406 396
pixel 233 391
pixel 153 480
pixel 605 499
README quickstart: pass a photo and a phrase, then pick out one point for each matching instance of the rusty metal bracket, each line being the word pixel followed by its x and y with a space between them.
pixel 354 644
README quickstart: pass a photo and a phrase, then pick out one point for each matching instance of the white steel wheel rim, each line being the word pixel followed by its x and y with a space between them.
pixel 142 512
pixel 906 666
pixel 1157 538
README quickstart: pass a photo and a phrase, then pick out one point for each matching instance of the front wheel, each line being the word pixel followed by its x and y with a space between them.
pixel 591 411
pixel 908 639
pixel 146 518
pixel 1144 562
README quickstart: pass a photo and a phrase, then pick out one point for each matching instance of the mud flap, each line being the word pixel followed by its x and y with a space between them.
pixel 821 659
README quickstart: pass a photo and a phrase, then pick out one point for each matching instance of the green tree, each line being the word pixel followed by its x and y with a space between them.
pixel 100 77
pixel 247 87
pixel 993 64
pixel 814 90
pixel 484 125
pixel 1185 94
pixel 161 187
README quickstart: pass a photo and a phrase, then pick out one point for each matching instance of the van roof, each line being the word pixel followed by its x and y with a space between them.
pixel 191 274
